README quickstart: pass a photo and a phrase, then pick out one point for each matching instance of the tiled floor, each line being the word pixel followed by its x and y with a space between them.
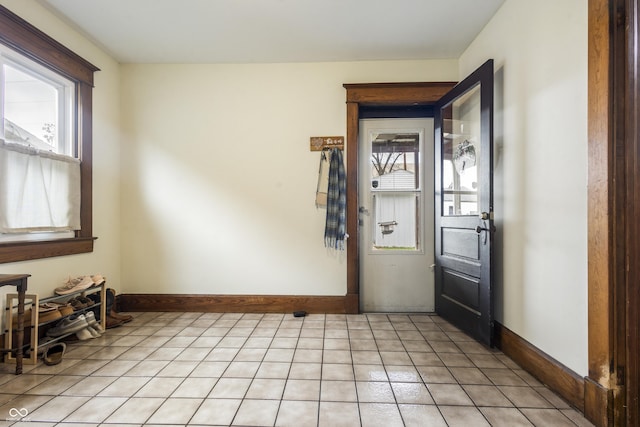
pixel 274 369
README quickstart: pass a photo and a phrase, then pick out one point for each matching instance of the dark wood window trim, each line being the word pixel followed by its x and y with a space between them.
pixel 19 35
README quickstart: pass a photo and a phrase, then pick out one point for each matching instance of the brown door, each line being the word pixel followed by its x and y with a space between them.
pixel 464 204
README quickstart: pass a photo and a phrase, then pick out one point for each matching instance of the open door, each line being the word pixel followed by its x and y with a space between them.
pixel 464 204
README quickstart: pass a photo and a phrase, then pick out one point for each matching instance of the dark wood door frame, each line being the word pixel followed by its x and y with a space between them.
pixel 611 389
pixel 373 95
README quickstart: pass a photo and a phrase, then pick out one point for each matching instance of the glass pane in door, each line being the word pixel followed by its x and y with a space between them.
pixel 460 151
pixel 395 190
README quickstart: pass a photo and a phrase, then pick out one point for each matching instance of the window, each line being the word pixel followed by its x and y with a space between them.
pixel 45 115
pixel 396 190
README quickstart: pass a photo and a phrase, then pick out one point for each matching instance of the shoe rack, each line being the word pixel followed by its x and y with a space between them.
pixel 35 328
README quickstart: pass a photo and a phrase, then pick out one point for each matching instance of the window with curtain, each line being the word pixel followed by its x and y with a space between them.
pixel 39 168
pixel 45 145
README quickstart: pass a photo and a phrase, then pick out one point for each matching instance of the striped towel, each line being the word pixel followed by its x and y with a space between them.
pixel 336 202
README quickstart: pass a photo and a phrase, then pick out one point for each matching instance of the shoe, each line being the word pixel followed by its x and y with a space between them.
pixel 74 285
pixel 77 304
pixel 98 279
pixel 113 322
pixel 93 332
pixel 93 323
pixel 53 354
pixel 84 334
pixel 68 325
pixel 49 316
pixel 125 318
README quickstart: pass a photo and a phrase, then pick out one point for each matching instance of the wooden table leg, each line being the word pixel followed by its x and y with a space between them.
pixel 20 329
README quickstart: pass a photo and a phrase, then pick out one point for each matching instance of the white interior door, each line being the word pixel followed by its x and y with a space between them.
pixel 396 196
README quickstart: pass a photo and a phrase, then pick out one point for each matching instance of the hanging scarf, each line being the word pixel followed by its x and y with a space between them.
pixel 336 202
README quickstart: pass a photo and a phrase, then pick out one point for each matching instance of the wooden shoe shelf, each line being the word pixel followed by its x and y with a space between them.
pixel 36 330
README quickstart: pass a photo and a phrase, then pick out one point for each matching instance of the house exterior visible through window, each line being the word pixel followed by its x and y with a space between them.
pixel 39 168
pixel 45 145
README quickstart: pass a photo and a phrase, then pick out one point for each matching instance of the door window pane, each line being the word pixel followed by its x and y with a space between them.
pixel 395 190
pixel 460 151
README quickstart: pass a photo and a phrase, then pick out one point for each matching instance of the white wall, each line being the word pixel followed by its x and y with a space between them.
pixel 540 53
pixel 50 273
pixel 218 180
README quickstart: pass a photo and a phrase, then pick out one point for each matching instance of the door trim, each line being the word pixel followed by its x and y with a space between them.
pixel 374 94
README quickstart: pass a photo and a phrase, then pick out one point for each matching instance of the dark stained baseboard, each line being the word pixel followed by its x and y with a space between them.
pixel 236 303
pixel 562 380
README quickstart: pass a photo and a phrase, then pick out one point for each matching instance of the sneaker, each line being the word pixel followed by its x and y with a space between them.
pixel 93 322
pixel 68 325
pixel 93 332
pixel 98 279
pixel 84 334
pixel 74 285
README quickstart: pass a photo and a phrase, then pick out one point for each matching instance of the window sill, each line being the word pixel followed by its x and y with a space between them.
pixel 24 251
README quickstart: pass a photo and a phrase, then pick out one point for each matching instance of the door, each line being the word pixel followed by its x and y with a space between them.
pixel 396 215
pixel 464 204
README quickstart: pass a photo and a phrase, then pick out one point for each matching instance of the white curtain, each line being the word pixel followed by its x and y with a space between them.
pixel 39 190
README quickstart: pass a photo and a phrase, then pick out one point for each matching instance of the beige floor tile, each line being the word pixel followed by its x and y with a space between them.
pixel 302 390
pixel 124 386
pixel 96 409
pixel 241 369
pixel 374 392
pixel 463 416
pixel 422 415
pixel 56 409
pixel 216 412
pixel 147 368
pixel 486 395
pixel 470 376
pixel 547 417
pixel 222 354
pixel 178 369
pixel 231 388
pixel 338 414
pixel 307 355
pixel 250 355
pixel 336 356
pixel 266 388
pixel 89 386
pixel 56 385
pixel 412 393
pixel 403 374
pixel 135 411
pixel 274 370
pixel 380 415
pixel 506 417
pixel 338 391
pixel 449 394
pixel 337 371
pixel 166 369
pixel 256 413
pixel 159 387
pixel 297 413
pixel 525 397
pixel 175 411
pixel 193 354
pixel 370 373
pixel 195 387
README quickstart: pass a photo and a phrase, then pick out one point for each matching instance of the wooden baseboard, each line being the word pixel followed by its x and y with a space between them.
pixel 543 367
pixel 236 303
pixel 598 403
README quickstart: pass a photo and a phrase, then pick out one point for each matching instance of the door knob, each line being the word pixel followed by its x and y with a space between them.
pixel 363 210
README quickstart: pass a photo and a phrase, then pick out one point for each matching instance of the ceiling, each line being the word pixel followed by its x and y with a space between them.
pixel 265 31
